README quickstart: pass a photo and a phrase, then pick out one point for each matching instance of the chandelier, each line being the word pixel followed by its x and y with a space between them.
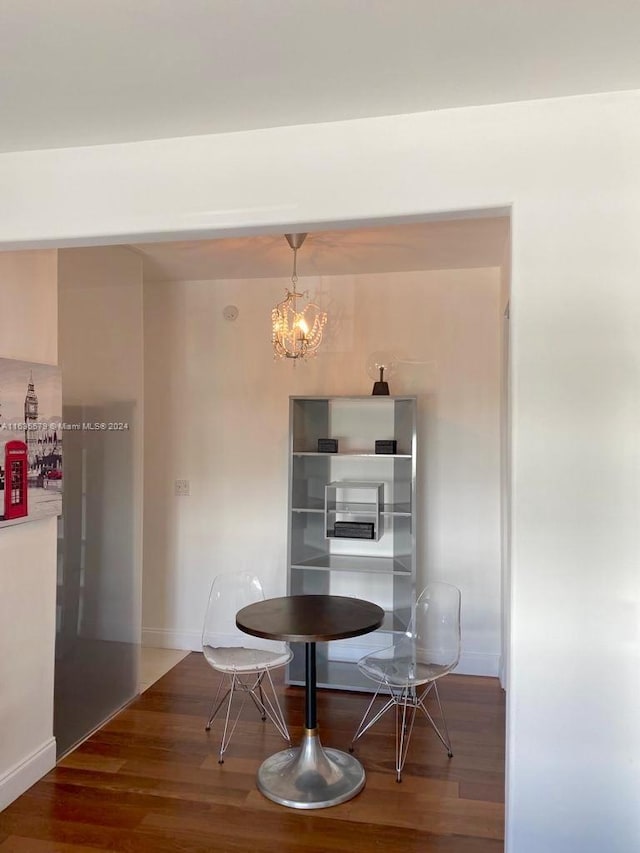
pixel 296 329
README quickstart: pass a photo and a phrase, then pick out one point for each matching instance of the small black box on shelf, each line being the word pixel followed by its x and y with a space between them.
pixel 354 530
pixel 327 445
pixel 386 445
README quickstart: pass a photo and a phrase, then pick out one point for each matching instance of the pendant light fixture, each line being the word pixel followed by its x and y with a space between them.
pixel 296 327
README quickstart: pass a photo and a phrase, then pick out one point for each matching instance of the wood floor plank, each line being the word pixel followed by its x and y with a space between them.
pixel 317 832
pixel 491 793
pixel 15 844
pixel 86 761
pixel 400 810
pixel 149 781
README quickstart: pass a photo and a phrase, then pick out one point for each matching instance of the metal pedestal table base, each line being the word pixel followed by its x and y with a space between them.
pixel 310 777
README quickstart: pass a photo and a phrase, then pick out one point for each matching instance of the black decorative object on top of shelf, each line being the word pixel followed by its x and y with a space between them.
pixel 354 530
pixel 380 388
pixel 378 365
pixel 386 445
pixel 327 445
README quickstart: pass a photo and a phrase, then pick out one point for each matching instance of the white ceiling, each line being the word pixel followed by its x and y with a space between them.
pixel 82 72
pixel 442 244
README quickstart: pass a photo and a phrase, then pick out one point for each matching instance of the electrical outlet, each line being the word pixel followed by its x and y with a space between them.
pixel 182 487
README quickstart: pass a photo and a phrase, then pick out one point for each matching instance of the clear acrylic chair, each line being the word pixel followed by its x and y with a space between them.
pixel 409 669
pixel 246 662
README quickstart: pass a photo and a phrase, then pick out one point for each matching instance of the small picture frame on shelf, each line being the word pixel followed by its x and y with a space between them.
pixel 386 445
pixel 327 445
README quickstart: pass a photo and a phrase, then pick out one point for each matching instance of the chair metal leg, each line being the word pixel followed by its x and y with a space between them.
pixel 405 716
pixel 216 707
pixel 445 739
pixel 268 706
pixel 226 738
pixel 258 701
pixel 365 724
pixel 272 707
pixel 264 715
pixel 406 702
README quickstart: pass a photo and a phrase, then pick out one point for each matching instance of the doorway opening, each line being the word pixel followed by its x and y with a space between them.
pixel 433 292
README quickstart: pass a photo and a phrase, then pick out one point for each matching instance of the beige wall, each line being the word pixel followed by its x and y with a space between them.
pixel 28 331
pixel 217 414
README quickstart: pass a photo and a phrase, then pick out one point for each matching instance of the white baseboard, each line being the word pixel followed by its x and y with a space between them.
pixel 502 673
pixel 189 641
pixel 192 641
pixel 471 663
pixel 26 773
pixel 478 663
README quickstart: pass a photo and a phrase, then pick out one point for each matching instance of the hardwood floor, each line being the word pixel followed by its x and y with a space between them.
pixel 149 781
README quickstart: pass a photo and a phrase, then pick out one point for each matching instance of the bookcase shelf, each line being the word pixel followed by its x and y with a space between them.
pixel 357 487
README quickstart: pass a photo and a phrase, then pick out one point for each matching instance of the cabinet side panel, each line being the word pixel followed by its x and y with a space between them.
pixel 309 422
pixel 309 582
pixel 404 534
pixel 309 476
pixel 405 425
pixel 307 539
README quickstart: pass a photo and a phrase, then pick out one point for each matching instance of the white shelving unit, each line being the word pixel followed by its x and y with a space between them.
pixel 354 484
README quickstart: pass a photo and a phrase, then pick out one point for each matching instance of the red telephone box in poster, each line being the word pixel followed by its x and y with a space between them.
pixel 31 430
pixel 15 487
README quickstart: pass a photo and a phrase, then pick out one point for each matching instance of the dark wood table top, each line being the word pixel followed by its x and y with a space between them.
pixel 310 618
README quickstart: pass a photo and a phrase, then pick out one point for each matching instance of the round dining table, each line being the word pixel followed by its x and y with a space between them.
pixel 310 776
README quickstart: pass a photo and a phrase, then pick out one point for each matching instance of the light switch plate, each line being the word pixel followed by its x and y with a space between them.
pixel 182 487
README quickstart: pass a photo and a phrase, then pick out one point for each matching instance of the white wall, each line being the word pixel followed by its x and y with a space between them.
pixel 29 331
pixel 218 415
pixel 571 171
pixel 505 461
